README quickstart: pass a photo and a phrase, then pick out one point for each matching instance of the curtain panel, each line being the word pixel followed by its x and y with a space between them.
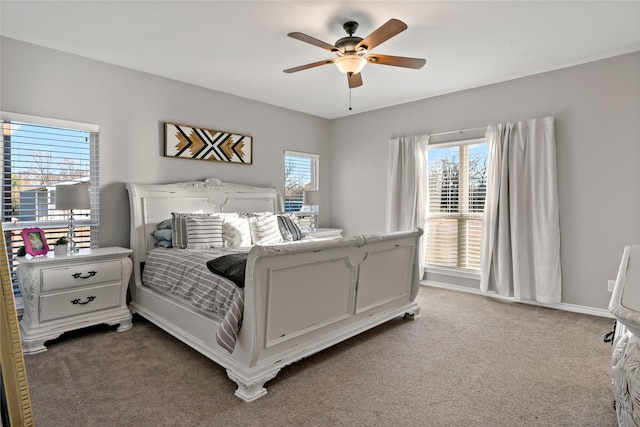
pixel 520 255
pixel 407 187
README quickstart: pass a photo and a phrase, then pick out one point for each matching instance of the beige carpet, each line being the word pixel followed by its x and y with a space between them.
pixel 468 361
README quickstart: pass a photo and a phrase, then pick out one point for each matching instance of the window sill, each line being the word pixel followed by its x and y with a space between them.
pixel 453 272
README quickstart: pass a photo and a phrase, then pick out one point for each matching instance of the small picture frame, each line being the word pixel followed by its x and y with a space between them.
pixel 35 242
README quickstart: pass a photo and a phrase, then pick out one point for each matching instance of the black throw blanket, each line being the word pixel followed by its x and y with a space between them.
pixel 230 267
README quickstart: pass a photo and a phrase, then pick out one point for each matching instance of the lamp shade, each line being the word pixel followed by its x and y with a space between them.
pixel 72 196
pixel 351 63
pixel 312 197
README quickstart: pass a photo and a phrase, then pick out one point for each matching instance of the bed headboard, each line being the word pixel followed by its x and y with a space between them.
pixel 152 203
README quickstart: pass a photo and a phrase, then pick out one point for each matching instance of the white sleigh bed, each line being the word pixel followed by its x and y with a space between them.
pixel 299 298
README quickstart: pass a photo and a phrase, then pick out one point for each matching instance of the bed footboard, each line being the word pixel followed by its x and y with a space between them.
pixel 300 299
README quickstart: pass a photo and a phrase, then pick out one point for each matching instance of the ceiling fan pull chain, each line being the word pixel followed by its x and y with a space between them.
pixel 349 99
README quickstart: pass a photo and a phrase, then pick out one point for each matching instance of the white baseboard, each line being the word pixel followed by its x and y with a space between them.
pixel 561 306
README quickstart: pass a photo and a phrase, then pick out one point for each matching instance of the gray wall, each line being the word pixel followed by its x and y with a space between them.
pixel 597 110
pixel 130 107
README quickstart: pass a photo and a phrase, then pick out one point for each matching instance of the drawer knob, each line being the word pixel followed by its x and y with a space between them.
pixel 77 300
pixel 80 276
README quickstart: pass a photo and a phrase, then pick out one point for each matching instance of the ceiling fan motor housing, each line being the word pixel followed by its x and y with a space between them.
pixel 348 44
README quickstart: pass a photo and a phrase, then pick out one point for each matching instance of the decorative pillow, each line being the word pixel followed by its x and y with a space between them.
pixel 204 232
pixel 224 215
pixel 163 244
pixel 179 228
pixel 253 214
pixel 265 230
pixel 236 232
pixel 288 228
pixel 163 234
pixel 162 225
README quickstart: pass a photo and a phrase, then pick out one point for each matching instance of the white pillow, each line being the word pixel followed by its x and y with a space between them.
pixel 236 232
pixel 265 230
pixel 204 232
pixel 224 215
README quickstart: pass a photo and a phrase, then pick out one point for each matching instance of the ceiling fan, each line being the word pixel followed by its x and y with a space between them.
pixel 353 52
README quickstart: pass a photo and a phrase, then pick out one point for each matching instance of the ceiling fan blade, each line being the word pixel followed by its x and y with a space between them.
pixel 307 66
pixel 313 41
pixel 396 61
pixel 389 29
pixel 355 80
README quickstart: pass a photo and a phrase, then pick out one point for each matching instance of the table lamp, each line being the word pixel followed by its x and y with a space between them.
pixel 70 197
pixel 312 198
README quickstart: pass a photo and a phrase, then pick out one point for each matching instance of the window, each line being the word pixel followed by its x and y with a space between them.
pixel 300 174
pixel 457 186
pixel 38 154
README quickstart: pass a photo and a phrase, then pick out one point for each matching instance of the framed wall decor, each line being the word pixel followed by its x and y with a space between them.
pixel 188 142
pixel 35 242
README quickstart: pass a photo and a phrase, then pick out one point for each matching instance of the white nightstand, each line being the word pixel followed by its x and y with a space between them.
pixel 323 233
pixel 72 291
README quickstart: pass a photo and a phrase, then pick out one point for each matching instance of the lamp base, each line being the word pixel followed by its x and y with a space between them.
pixel 71 234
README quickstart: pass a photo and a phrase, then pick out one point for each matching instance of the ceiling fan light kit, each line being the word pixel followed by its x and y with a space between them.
pixel 353 52
pixel 352 63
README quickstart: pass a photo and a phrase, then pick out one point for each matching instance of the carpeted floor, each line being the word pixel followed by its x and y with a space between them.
pixel 469 360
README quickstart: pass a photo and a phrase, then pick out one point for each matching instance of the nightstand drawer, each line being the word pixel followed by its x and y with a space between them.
pixel 80 275
pixel 72 303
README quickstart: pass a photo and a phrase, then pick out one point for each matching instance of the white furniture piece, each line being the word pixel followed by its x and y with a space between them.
pixel 71 291
pixel 299 298
pixel 323 233
pixel 625 361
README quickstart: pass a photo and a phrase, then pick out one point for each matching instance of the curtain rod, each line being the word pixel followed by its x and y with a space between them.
pixel 457 131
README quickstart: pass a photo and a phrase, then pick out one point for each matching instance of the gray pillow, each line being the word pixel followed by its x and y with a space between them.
pixel 288 227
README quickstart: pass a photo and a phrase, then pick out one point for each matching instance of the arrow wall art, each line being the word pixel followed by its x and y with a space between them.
pixel 188 142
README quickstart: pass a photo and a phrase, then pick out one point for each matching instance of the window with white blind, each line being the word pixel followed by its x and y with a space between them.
pixel 37 155
pixel 300 175
pixel 457 187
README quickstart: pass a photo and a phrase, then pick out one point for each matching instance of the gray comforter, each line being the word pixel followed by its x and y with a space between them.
pixel 184 273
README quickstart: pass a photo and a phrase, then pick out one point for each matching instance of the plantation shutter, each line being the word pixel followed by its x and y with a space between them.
pixel 457 189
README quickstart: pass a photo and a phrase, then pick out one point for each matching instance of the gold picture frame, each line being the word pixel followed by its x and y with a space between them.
pixel 14 375
pixel 190 142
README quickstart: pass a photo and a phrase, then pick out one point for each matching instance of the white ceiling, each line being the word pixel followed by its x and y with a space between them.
pixel 241 47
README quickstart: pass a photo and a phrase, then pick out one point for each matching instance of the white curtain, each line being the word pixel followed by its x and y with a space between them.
pixel 407 186
pixel 521 234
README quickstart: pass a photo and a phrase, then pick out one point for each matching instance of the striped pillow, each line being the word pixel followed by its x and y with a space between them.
pixel 265 230
pixel 288 228
pixel 179 228
pixel 204 232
